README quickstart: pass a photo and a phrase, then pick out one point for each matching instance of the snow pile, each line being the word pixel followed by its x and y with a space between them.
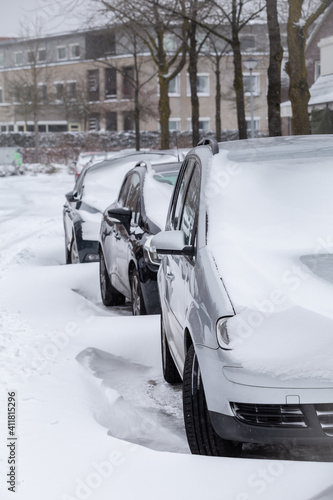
pixel 322 90
pixel 95 420
pixel 271 234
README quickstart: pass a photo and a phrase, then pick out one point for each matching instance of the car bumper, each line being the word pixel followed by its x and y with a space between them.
pixel 150 294
pixel 88 250
pixel 313 434
pixel 257 409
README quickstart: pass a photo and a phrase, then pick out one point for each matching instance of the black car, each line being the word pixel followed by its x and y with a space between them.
pixel 128 268
pixel 96 187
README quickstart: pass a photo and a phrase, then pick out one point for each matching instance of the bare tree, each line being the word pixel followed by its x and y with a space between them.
pixel 302 15
pixel 274 69
pixel 135 76
pixel 215 51
pixel 29 88
pixel 155 24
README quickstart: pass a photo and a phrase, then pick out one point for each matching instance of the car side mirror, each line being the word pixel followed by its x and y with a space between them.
pixel 72 196
pixel 121 215
pixel 171 243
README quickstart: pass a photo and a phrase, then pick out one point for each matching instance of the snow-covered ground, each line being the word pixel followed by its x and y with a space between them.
pixel 94 418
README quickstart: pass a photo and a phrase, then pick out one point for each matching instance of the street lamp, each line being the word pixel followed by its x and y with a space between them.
pixel 250 64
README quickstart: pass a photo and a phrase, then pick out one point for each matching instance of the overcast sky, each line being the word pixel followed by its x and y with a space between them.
pixel 54 19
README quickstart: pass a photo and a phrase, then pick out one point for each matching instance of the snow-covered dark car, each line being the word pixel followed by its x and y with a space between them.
pixel 96 187
pixel 127 267
pixel 246 290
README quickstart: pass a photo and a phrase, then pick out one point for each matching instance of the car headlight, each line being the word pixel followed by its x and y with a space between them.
pixel 150 253
pixel 222 334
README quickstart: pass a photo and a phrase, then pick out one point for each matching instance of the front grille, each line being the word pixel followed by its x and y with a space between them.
pixel 269 415
pixel 325 417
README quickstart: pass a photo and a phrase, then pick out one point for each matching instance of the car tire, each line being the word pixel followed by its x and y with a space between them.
pixel 138 306
pixel 170 372
pixel 110 296
pixel 74 252
pixel 67 255
pixel 201 437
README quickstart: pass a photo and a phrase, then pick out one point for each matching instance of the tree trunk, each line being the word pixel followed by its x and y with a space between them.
pixel 218 124
pixel 164 111
pixel 36 138
pixel 238 86
pixel 193 76
pixel 274 70
pixel 137 118
pixel 299 94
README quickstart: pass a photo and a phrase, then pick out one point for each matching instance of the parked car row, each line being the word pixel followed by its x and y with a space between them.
pixel 238 237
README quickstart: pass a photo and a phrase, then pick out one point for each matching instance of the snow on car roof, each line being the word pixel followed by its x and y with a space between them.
pixel 270 231
pixel 103 180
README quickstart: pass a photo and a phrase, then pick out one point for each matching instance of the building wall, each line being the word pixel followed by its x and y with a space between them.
pixel 62 113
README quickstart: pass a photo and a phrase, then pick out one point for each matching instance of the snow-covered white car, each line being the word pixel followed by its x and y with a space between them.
pixel 246 290
pixel 88 157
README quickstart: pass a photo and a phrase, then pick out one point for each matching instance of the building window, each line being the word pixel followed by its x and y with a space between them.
pixel 174 87
pixel 204 124
pixel 59 91
pixel 31 56
pixel 2 59
pixel 41 55
pixel 256 123
pixel 27 93
pixel 93 122
pixel 61 51
pixel 128 82
pixel 111 121
pixel 174 124
pixel 74 127
pixel 202 85
pixel 93 85
pixel 170 44
pixel 57 127
pixel 42 91
pixel 316 70
pixel 1 96
pixel 18 58
pixel 248 42
pixel 100 44
pixel 255 84
pixel 74 51
pixel 128 120
pixel 71 90
pixel 110 83
pixel 16 94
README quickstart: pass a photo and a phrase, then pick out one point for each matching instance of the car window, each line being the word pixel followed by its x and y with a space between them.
pixel 133 198
pixel 124 191
pixel 180 193
pixel 188 221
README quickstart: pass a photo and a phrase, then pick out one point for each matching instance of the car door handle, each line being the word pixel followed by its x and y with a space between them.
pixel 116 235
pixel 170 276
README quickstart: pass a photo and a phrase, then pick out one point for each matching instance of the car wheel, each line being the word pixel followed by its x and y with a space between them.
pixel 170 372
pixel 138 306
pixel 110 296
pixel 74 253
pixel 201 437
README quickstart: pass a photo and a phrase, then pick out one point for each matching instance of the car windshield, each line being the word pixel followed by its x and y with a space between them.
pixel 270 207
pixel 158 188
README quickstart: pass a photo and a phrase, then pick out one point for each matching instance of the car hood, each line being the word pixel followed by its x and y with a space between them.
pixel 270 230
